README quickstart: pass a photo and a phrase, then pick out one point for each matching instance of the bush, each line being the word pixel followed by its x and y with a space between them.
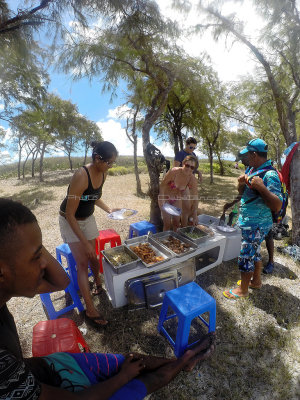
pixel 118 171
pixel 228 170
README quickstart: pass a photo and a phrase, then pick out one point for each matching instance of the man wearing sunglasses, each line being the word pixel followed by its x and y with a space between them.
pixel 190 146
pixel 259 197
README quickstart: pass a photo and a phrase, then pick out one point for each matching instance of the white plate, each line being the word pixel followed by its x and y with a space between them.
pixel 172 210
pixel 226 228
pixel 122 214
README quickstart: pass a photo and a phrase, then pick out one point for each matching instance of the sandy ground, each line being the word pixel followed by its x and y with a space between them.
pixel 258 352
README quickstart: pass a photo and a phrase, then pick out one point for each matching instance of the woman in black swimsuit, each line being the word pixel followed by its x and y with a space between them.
pixel 77 222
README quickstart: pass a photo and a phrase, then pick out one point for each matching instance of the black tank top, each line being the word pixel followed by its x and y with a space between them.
pixel 87 201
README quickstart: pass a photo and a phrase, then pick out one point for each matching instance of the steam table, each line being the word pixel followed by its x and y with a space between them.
pixel 213 248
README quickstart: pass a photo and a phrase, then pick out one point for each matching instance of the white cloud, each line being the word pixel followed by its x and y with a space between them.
pixel 120 112
pixel 230 58
pixel 114 133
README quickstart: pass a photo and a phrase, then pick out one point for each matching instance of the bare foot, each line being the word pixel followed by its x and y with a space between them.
pixel 234 294
pixel 252 285
pixel 152 362
pixel 95 320
pixel 198 352
pixel 203 355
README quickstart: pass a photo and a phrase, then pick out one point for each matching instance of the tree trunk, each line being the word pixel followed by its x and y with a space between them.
pixel 181 142
pixel 176 147
pixel 85 156
pixel 155 213
pixel 222 170
pixel 295 196
pixel 211 169
pixel 32 167
pixel 24 164
pixel 294 180
pixel 136 169
pixel 70 162
pixel 42 161
pixel 278 155
pixel 34 157
pixel 19 164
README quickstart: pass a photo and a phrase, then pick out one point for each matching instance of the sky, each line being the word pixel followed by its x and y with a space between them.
pixel 230 59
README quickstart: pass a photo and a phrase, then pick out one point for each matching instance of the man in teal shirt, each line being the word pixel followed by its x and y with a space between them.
pixel 260 196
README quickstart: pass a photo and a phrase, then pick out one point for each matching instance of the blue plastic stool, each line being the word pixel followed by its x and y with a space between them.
pixel 64 250
pixel 141 228
pixel 48 304
pixel 188 302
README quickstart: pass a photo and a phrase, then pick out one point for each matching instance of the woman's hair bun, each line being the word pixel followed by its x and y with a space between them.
pixel 93 144
pixel 105 150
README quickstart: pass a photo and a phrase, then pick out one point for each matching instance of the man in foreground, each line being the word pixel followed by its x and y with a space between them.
pixel 268 268
pixel 259 197
pixel 26 269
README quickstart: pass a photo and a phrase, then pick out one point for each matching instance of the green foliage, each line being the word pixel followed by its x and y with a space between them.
pixel 204 167
pixel 118 171
pixel 124 166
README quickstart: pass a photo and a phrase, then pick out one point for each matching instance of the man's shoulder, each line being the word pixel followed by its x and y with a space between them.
pixel 180 154
pixel 16 381
pixel 272 176
pixel 9 338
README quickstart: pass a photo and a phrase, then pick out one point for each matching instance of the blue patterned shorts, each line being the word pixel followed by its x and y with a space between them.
pixel 250 247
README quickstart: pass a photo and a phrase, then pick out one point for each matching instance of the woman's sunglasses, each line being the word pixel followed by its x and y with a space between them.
pixel 110 163
pixel 190 166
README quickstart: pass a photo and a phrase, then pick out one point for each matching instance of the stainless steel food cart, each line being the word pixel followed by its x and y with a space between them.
pixel 153 281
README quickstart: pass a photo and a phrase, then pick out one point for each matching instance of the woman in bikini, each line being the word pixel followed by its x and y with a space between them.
pixel 178 187
pixel 78 225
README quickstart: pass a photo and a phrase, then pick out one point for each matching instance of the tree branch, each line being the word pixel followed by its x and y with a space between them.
pixel 17 21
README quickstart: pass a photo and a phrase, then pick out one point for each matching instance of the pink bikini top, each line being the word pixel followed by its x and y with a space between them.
pixel 172 185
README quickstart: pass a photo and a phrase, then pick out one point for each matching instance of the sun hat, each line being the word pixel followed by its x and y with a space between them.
pixel 257 145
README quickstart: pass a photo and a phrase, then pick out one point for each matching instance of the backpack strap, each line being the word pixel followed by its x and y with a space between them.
pixel 261 173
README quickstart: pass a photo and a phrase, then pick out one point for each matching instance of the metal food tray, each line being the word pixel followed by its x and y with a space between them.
pixel 158 248
pixel 184 231
pixel 165 235
pixel 121 267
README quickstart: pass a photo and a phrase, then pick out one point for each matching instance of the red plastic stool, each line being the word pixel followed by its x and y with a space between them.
pixel 58 335
pixel 106 236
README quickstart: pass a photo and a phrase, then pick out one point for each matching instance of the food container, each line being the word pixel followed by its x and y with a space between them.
pixel 158 249
pixel 162 237
pixel 196 235
pixel 122 214
pixel 116 264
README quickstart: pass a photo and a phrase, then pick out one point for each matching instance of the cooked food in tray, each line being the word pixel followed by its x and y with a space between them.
pixel 205 229
pixel 176 245
pixel 146 253
pixel 195 234
pixel 120 258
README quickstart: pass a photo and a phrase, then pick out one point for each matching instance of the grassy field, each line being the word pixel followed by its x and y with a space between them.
pixel 258 338
pixel 124 166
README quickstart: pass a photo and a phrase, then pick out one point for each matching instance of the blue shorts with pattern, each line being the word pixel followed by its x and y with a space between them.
pixel 250 247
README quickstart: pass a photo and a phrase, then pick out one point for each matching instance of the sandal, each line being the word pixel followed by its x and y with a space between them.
pixel 92 321
pixel 233 295
pixel 250 285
